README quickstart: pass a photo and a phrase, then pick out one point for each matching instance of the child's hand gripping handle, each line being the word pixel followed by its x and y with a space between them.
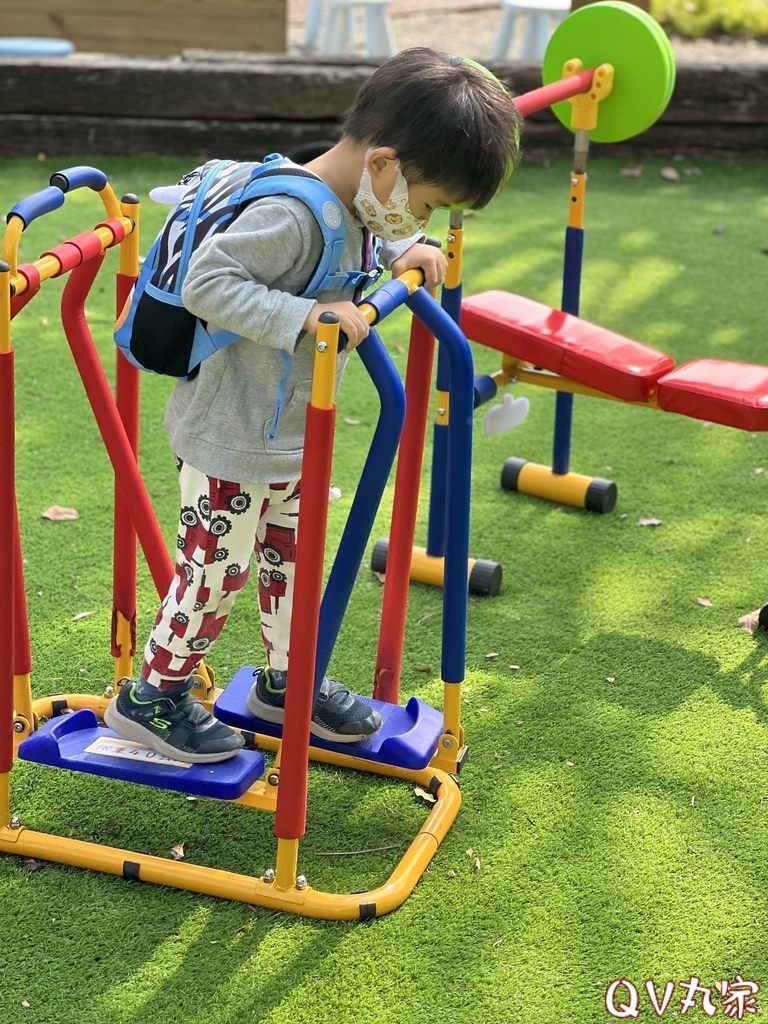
pixel 389 296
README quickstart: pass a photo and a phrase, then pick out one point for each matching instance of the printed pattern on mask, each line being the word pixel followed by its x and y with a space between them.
pixel 391 219
pixel 221 526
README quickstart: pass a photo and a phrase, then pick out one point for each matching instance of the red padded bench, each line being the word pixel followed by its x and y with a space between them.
pixel 734 394
pixel 564 344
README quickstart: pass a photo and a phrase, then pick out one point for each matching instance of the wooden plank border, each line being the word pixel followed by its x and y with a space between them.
pixel 245 106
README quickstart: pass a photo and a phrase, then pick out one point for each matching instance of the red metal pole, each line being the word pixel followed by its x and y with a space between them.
pixel 8 548
pixel 133 493
pixel 22 650
pixel 555 92
pixel 418 384
pixel 291 811
pixel 124 563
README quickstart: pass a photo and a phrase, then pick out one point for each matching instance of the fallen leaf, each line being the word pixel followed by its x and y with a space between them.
pixel 650 521
pixel 191 799
pixel 59 514
pixel 351 423
pixel 477 863
pixel 569 764
pixel 497 943
pixel 514 668
pixel 704 602
pixel 43 321
pixel 759 470
pixel 693 801
pixel 380 576
pixel 334 493
pixel 751 622
pixel 400 349
pixel 470 852
pixel 424 668
pixel 610 679
pixel 425 795
pixel 519 721
pixel 669 174
pixel 177 852
pixel 31 865
pixel 493 654
pixel 451 874
pixel 81 615
pixel 25 1004
pixel 693 172
pixel 633 171
pixel 482 710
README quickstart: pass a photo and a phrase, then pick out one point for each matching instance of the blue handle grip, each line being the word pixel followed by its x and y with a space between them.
pixel 79 177
pixel 45 201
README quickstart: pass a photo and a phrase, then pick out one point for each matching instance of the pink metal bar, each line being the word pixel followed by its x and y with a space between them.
pixel 555 92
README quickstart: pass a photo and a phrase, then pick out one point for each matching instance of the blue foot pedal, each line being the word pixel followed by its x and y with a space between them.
pixel 408 736
pixel 76 741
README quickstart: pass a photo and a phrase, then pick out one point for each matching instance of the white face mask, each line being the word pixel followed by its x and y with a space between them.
pixel 392 219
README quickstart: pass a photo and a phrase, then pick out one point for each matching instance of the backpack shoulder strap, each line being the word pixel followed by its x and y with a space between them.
pixel 273 178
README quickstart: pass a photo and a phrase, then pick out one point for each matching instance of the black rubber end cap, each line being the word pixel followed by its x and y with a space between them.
pixel 60 181
pixel 510 473
pixel 379 556
pixel 130 198
pixel 485 578
pixel 328 318
pixel 600 496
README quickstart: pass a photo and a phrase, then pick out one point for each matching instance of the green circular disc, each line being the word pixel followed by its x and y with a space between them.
pixel 617 33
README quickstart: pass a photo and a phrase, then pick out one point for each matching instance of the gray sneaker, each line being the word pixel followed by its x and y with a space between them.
pixel 339 715
pixel 175 724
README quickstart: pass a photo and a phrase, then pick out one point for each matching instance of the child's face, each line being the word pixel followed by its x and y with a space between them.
pixel 423 199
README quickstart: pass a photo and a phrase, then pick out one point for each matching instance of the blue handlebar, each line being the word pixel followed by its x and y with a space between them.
pixel 45 201
pixel 79 177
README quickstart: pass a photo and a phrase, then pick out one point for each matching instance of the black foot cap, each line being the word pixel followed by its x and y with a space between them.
pixel 485 578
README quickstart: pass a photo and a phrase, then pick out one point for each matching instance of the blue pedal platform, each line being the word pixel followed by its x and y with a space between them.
pixel 77 741
pixel 408 736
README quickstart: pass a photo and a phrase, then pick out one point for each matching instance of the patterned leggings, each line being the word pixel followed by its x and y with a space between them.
pixel 221 525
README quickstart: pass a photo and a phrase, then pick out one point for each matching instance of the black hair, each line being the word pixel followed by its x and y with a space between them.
pixel 451 124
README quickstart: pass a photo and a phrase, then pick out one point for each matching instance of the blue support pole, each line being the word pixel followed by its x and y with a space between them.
pixel 458 476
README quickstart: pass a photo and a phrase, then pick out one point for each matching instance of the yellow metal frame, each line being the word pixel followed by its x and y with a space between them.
pixel 280 887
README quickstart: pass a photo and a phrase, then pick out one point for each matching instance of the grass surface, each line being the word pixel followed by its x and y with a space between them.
pixel 615 790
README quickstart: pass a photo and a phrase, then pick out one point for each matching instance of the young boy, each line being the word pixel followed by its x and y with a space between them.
pixel 425 131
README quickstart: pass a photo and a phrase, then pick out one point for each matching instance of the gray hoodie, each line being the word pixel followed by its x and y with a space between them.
pixel 245 280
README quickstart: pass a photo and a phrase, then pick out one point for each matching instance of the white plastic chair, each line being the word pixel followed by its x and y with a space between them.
pixel 540 18
pixel 331 26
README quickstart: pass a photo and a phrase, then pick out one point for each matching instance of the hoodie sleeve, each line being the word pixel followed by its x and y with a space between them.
pixel 245 279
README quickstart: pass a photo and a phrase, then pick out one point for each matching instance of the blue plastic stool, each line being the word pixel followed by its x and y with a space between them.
pixel 29 46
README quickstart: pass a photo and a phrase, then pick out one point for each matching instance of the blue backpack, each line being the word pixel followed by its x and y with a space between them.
pixel 155 332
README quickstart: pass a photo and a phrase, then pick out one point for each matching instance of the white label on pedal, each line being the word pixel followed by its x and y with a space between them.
pixel 131 751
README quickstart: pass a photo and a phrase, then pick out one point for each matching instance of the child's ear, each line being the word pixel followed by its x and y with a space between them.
pixel 382 164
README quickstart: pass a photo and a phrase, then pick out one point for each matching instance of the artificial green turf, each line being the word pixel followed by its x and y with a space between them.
pixel 614 793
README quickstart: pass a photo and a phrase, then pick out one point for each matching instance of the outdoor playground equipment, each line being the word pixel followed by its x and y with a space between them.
pixel 608 74
pixel 417 743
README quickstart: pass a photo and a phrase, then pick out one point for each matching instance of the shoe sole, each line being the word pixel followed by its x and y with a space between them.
pixel 129 730
pixel 268 713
